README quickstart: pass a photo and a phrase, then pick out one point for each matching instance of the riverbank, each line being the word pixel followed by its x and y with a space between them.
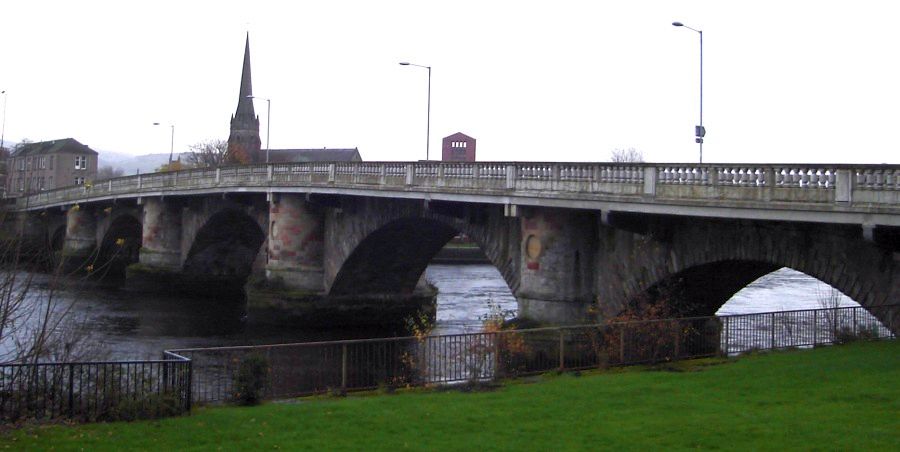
pixel 841 397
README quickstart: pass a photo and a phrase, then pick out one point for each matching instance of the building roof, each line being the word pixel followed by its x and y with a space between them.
pixel 63 145
pixel 458 135
pixel 314 155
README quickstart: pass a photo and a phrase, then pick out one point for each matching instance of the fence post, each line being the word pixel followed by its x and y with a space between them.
pixel 496 356
pixel 562 351
pixel 344 367
pixel 190 385
pixel 815 327
pixel 165 372
pixel 725 334
pixel 71 391
pixel 622 345
pixel 855 325
pixel 772 322
pixel 677 331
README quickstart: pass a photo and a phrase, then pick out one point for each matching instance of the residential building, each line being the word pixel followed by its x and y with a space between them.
pixel 458 147
pixel 45 165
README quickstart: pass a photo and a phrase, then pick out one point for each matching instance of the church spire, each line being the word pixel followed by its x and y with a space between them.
pixel 245 104
pixel 243 141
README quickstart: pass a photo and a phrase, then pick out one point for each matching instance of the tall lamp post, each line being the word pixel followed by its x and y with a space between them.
pixel 171 143
pixel 268 121
pixel 3 131
pixel 428 126
pixel 699 131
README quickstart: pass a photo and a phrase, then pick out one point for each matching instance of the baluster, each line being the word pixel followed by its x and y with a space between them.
pixel 870 179
pixel 879 179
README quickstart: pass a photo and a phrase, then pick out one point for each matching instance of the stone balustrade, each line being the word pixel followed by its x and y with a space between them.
pixel 646 182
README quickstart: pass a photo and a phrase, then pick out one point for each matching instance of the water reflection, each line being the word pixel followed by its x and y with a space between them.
pixel 135 326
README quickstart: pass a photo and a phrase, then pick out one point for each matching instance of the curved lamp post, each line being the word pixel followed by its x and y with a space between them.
pixel 3 132
pixel 268 121
pixel 428 124
pixel 699 131
pixel 171 143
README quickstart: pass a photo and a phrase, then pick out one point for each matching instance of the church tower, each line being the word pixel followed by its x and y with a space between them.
pixel 243 141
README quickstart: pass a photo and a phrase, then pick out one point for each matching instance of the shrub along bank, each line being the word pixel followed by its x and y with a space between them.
pixel 840 397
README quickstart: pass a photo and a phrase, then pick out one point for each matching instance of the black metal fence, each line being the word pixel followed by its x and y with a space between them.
pixel 807 328
pixel 306 368
pixel 92 391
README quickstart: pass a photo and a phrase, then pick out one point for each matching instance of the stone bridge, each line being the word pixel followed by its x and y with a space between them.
pixel 349 242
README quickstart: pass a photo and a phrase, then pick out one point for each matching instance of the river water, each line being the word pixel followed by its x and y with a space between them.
pixel 133 326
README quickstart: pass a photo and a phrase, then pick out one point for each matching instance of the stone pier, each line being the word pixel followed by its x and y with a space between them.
pixel 81 239
pixel 295 245
pixel 557 270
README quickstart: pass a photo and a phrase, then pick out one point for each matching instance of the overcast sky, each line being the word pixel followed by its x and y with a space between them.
pixel 784 81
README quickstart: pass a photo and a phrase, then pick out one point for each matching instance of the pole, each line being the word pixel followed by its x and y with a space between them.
pixel 171 146
pixel 269 125
pixel 701 93
pixel 700 131
pixel 3 132
pixel 428 124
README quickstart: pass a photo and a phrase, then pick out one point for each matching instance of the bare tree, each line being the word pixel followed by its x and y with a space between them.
pixel 207 154
pixel 108 172
pixel 630 155
pixel 38 321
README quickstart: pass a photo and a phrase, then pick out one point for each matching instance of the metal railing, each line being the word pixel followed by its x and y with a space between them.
pixel 307 368
pixel 92 391
pixel 800 183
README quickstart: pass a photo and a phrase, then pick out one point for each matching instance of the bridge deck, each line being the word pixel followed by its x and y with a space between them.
pixel 854 194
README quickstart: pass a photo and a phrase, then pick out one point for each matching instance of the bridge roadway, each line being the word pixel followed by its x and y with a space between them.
pixel 838 194
pixel 350 241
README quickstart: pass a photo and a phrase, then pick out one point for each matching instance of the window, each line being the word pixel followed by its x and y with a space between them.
pixel 50 181
pixel 21 163
pixel 42 162
pixel 51 162
pixel 79 181
pixel 21 184
pixel 81 162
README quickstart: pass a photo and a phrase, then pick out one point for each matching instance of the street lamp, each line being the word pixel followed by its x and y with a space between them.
pixel 428 126
pixel 3 132
pixel 699 131
pixel 268 121
pixel 171 144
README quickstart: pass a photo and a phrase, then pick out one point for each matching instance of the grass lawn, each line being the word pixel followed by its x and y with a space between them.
pixel 843 397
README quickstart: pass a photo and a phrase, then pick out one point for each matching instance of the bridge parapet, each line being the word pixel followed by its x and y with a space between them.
pixel 860 188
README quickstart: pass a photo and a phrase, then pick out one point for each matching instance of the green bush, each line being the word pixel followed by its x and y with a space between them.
pixel 847 334
pixel 252 379
pixel 148 406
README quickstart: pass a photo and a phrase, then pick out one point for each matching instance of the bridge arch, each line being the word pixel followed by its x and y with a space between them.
pixel 384 246
pixel 57 238
pixel 119 247
pixel 225 246
pixel 709 262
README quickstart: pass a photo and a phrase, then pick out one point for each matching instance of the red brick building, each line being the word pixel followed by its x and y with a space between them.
pixel 458 147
